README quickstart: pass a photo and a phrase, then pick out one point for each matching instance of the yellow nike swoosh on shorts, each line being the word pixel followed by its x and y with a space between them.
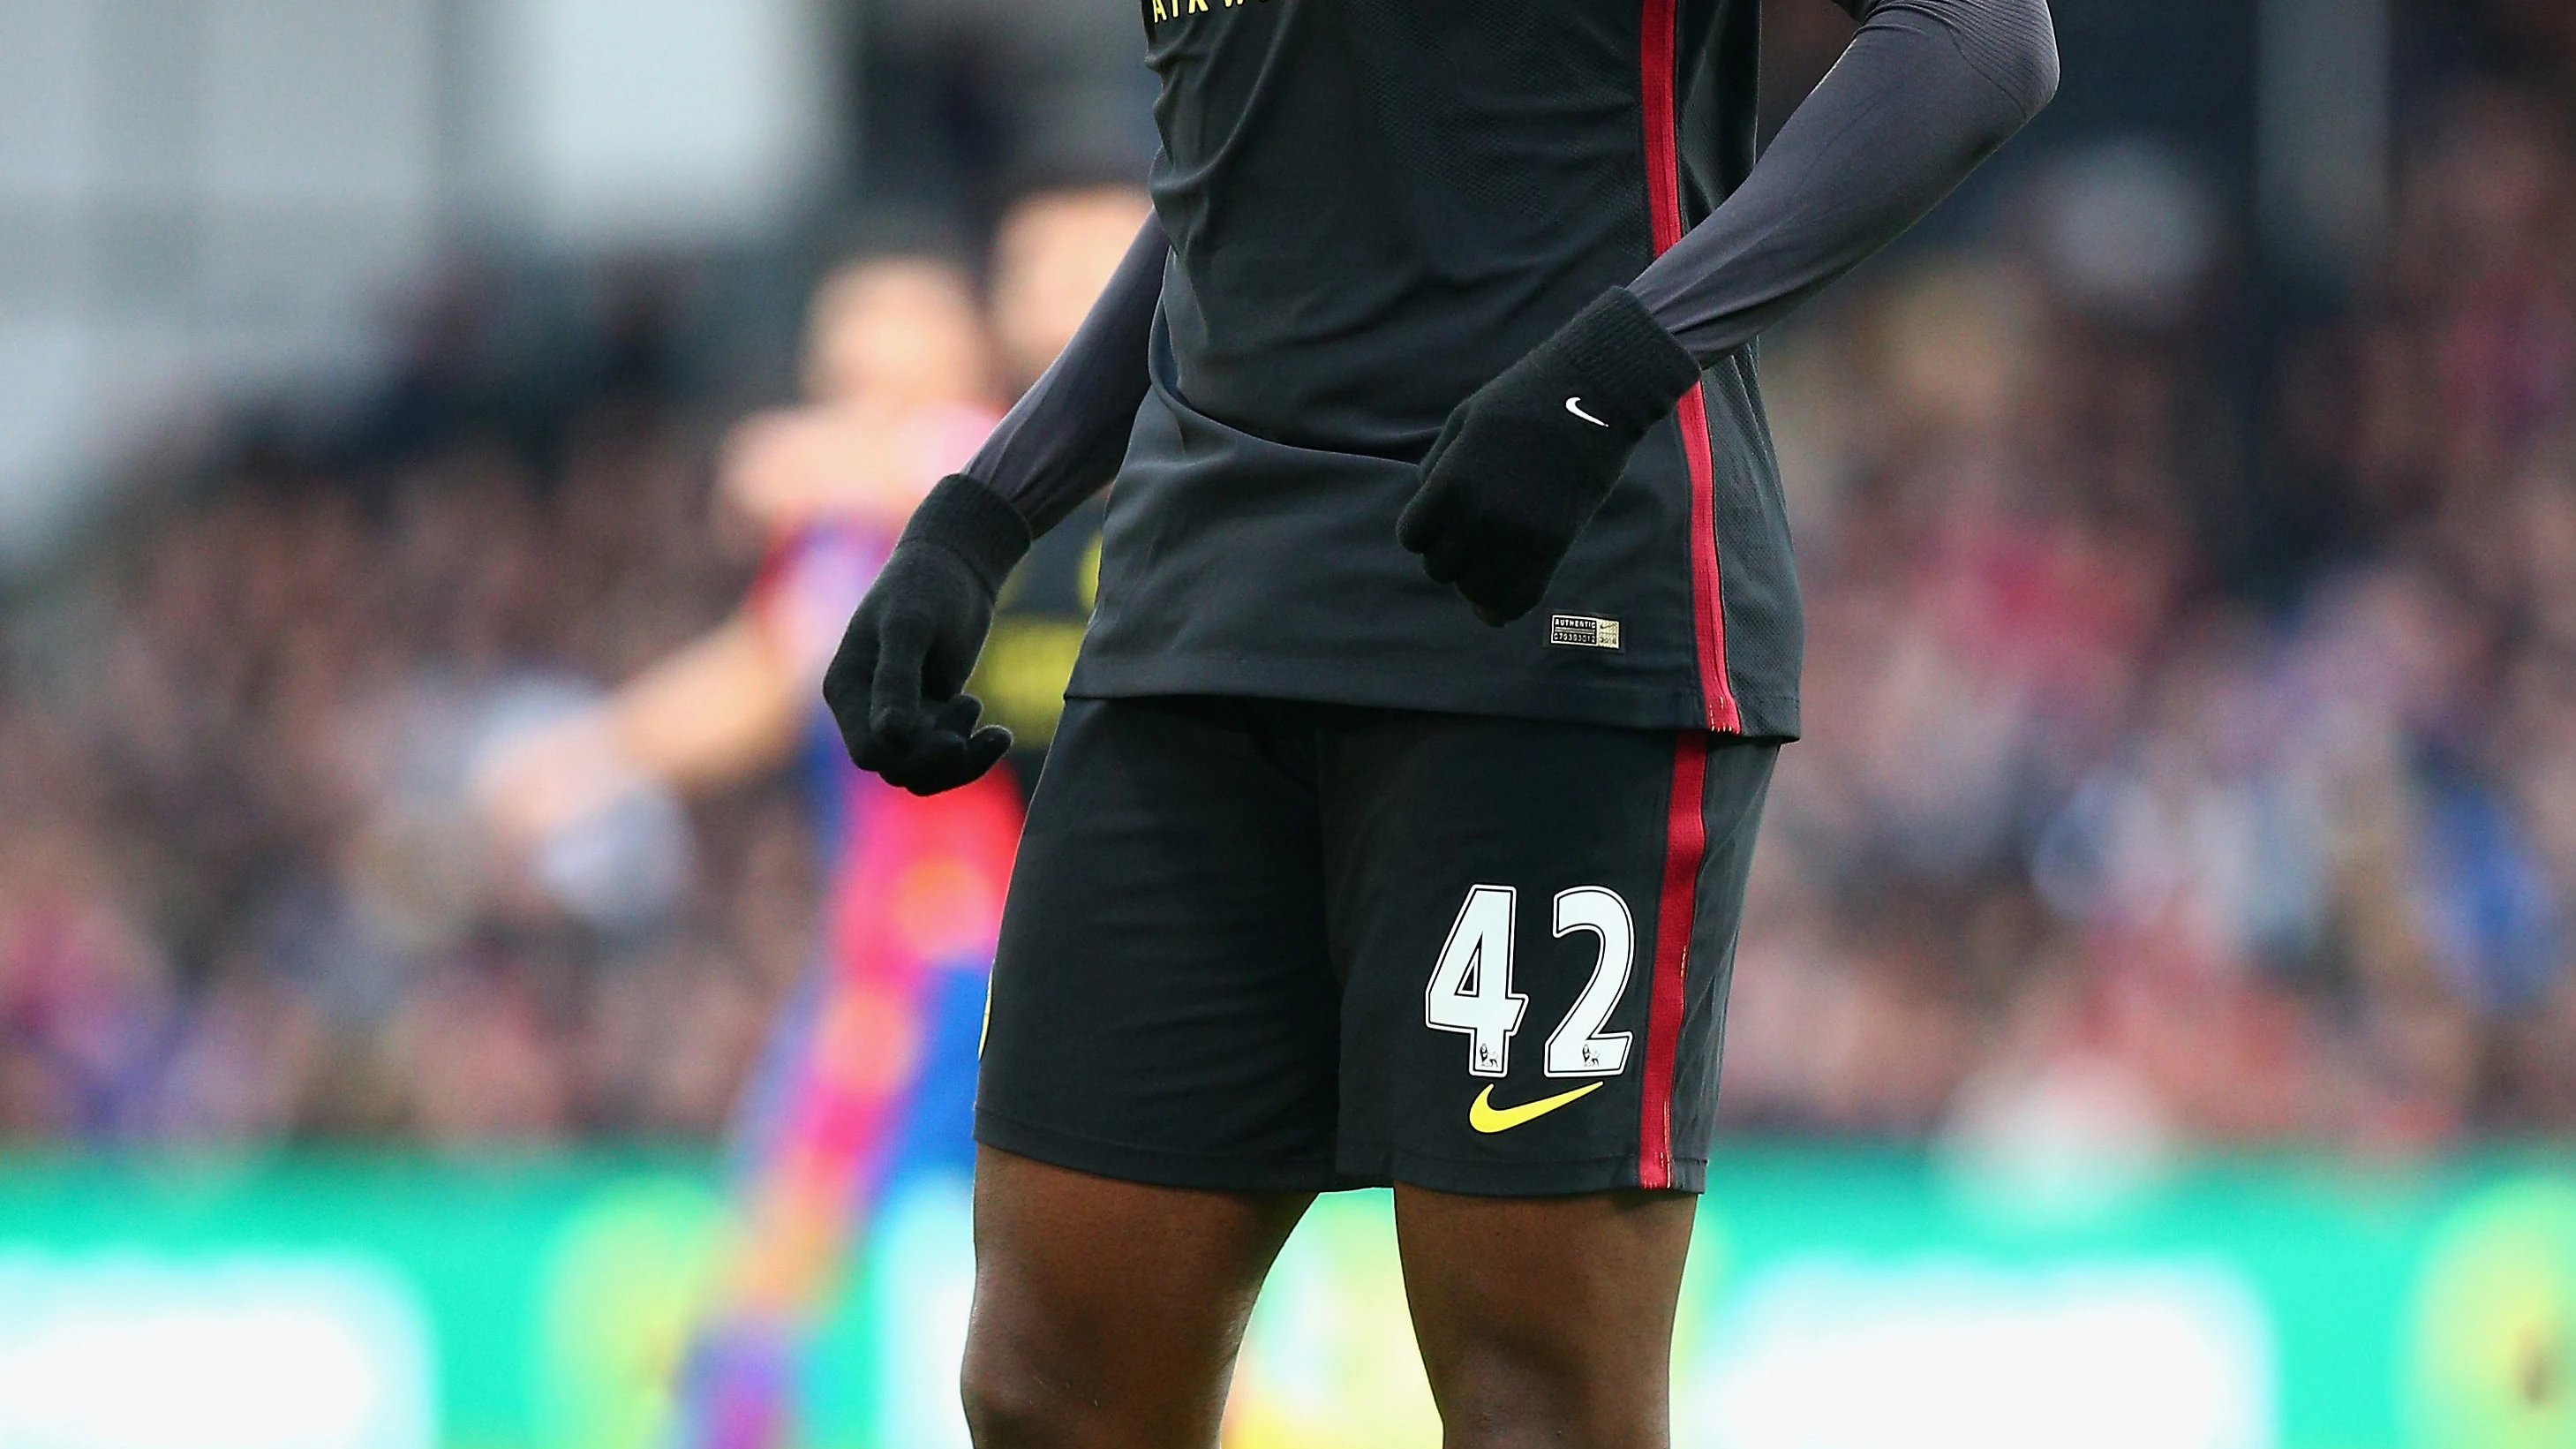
pixel 1484 1116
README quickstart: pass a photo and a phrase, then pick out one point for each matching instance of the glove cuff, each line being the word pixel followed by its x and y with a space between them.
pixel 1634 370
pixel 970 520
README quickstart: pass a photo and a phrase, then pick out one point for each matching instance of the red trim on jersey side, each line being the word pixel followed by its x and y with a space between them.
pixel 1663 137
pixel 1685 845
pixel 1707 607
pixel 1664 207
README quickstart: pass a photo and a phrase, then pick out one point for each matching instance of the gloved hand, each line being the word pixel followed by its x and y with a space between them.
pixel 895 687
pixel 1525 461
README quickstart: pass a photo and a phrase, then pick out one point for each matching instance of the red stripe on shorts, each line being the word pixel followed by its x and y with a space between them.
pixel 1664 206
pixel 1685 844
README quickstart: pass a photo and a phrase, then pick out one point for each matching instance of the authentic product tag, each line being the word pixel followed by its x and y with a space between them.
pixel 1581 631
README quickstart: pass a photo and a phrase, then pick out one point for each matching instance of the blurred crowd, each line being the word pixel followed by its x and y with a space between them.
pixel 2191 715
pixel 2176 775
pixel 274 861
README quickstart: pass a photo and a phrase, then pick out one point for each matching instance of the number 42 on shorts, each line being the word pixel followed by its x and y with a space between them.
pixel 1471 987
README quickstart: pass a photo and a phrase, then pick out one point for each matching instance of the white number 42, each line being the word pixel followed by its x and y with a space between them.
pixel 1471 989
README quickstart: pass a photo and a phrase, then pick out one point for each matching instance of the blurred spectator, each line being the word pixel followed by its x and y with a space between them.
pixel 2080 849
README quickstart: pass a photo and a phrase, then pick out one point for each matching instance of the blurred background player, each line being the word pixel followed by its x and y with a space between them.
pixel 870 1067
pixel 869 1074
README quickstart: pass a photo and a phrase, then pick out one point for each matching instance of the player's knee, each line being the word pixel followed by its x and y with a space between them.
pixel 1505 1400
pixel 1002 1409
pixel 1535 1430
pixel 1008 1406
pixel 999 1418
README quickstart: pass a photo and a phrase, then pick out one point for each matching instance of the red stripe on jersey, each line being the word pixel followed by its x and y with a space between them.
pixel 1664 205
pixel 1708 610
pixel 1663 146
pixel 1685 845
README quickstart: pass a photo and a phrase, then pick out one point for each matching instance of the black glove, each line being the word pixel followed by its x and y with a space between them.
pixel 1525 461
pixel 895 686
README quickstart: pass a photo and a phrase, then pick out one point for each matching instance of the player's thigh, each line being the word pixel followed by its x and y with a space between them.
pixel 1164 1008
pixel 1108 1313
pixel 1538 923
pixel 1546 1320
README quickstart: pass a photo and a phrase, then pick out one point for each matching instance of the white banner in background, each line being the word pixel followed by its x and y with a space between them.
pixel 123 1351
pixel 1822 1353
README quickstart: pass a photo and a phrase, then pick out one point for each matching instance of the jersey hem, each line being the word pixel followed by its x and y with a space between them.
pixel 1616 705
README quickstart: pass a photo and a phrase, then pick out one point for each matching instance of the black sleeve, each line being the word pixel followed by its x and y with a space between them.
pixel 1065 439
pixel 1927 90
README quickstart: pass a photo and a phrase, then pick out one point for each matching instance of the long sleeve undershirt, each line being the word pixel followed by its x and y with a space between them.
pixel 1927 90
pixel 1064 440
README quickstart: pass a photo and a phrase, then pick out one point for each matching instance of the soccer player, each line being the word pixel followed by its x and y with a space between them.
pixel 869 1067
pixel 1397 825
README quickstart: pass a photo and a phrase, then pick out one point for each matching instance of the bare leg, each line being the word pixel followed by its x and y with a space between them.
pixel 1108 1313
pixel 1546 1321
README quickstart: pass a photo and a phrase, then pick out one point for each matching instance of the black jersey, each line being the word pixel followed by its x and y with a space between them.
pixel 1374 206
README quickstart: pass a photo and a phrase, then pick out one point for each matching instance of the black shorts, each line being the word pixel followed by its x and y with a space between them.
pixel 1264 946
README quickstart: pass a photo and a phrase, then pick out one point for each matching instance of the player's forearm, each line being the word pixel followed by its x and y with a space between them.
pixel 1064 440
pixel 1928 90
pixel 715 711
